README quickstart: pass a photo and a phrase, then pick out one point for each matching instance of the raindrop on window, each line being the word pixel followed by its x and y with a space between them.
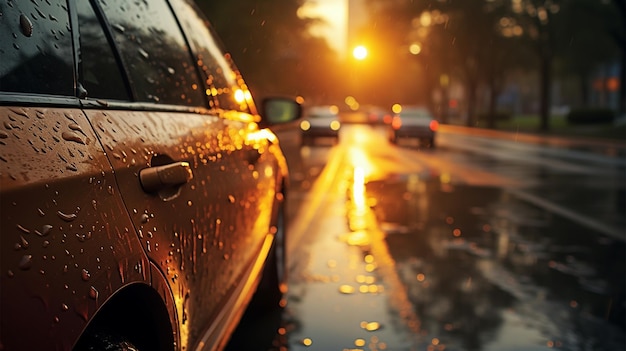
pixel 26 25
pixel 26 262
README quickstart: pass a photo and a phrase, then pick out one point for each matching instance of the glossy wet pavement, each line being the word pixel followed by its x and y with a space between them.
pixel 454 249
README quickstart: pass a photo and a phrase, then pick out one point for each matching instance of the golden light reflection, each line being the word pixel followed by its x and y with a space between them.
pixel 357 238
pixel 239 96
pixel 257 137
pixel 347 289
pixel 396 108
pixel 307 342
pixel 415 49
pixel 305 125
pixel 445 178
pixel 370 326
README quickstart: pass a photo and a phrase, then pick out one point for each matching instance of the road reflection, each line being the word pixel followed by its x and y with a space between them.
pixel 404 249
pixel 502 274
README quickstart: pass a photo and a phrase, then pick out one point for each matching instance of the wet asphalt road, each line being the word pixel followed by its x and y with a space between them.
pixel 483 243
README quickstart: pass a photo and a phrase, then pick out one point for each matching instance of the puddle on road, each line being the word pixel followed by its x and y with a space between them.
pixel 448 267
pixel 484 271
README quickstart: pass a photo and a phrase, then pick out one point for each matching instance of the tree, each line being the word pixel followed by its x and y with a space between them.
pixel 617 31
pixel 586 46
pixel 273 47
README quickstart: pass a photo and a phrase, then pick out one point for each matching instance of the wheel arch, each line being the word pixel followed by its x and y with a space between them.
pixel 137 313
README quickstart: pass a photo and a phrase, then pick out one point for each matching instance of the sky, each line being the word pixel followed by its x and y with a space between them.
pixel 335 15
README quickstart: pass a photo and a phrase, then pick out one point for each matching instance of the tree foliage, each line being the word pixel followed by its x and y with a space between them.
pixel 273 47
pixel 480 43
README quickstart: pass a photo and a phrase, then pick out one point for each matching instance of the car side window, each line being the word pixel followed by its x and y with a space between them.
pixel 100 73
pixel 154 52
pixel 36 54
pixel 223 81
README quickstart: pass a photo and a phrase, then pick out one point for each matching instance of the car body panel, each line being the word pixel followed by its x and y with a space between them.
pixel 87 246
pixel 72 244
pixel 222 214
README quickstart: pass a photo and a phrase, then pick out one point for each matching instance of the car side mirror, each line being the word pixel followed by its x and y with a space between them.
pixel 278 110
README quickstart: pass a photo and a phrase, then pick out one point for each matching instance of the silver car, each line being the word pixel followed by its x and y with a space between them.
pixel 414 123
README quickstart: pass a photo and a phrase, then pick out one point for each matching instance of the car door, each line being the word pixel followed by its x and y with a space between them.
pixel 204 229
pixel 66 239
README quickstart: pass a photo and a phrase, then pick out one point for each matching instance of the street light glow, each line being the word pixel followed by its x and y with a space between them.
pixel 359 52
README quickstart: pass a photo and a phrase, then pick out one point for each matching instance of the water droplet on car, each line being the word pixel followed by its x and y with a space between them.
pixel 26 262
pixel 24 230
pixel 75 127
pixel 46 243
pixel 70 136
pixel 67 217
pixel 93 293
pixel 82 92
pixel 145 218
pixel 23 242
pixel 45 230
pixel 10 274
pixel 26 25
pixel 84 274
pixel 119 28
pixel 3 134
pixel 143 53
pixel 64 307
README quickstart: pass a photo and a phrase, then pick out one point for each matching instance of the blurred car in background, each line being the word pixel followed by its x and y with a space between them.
pixel 320 121
pixel 414 122
pixel 377 115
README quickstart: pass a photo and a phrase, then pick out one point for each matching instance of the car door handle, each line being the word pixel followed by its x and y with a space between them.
pixel 157 178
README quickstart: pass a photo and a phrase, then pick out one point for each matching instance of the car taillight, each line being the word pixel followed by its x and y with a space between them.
pixel 396 122
pixel 434 125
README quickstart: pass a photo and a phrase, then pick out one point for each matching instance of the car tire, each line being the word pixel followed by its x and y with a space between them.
pixel 102 341
pixel 270 290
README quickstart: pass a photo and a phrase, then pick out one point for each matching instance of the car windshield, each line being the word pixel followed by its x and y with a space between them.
pixel 323 111
pixel 415 114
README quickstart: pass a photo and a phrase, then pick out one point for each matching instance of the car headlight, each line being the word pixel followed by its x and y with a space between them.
pixel 305 125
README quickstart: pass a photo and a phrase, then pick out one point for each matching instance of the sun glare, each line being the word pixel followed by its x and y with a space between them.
pixel 359 52
pixel 334 16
